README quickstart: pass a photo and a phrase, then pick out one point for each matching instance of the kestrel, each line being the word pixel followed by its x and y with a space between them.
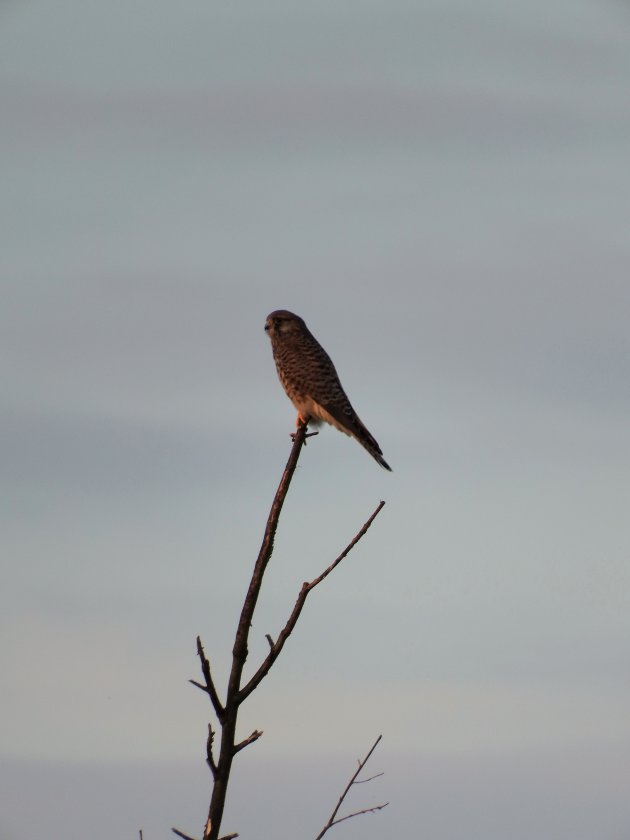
pixel 311 382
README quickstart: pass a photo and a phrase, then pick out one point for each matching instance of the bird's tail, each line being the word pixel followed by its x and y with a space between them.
pixel 368 442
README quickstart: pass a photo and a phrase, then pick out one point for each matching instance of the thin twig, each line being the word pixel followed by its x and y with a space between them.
pixel 181 834
pixel 369 779
pixel 209 753
pixel 210 686
pixel 276 648
pixel 371 810
pixel 332 820
pixel 250 740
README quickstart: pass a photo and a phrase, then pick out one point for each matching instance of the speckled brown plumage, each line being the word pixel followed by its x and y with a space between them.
pixel 311 381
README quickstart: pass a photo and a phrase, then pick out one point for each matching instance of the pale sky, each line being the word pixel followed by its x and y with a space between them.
pixel 442 192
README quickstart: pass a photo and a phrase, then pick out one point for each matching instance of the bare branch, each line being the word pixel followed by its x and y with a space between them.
pixel 209 754
pixel 210 686
pixel 181 834
pixel 333 820
pixel 240 651
pixel 369 779
pixel 250 740
pixel 276 648
pixel 227 712
pixel 372 810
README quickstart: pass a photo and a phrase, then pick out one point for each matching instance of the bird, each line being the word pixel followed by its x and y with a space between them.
pixel 311 382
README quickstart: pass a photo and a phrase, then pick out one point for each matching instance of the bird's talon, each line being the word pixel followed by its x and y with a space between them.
pixel 292 435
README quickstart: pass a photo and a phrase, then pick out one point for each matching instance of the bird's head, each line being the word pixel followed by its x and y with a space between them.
pixel 282 323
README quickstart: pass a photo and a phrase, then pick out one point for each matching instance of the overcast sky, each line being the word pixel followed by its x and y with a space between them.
pixel 442 191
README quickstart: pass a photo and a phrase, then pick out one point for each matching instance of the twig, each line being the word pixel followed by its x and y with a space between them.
pixel 369 779
pixel 209 686
pixel 371 810
pixel 181 834
pixel 209 754
pixel 333 820
pixel 253 737
pixel 276 648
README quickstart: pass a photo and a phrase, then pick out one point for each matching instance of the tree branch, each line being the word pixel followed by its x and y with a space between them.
pixel 333 820
pixel 276 647
pixel 181 834
pixel 369 779
pixel 371 810
pixel 227 712
pixel 240 651
pixel 209 753
pixel 250 740
pixel 209 687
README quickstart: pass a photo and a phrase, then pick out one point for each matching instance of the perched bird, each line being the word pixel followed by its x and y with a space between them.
pixel 311 382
